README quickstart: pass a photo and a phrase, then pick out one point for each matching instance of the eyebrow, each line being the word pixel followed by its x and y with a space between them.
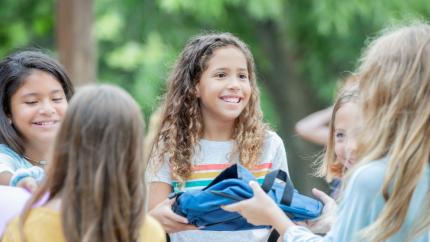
pixel 36 94
pixel 225 68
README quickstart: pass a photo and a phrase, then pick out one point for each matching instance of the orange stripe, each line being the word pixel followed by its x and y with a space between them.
pixel 213 174
pixel 223 166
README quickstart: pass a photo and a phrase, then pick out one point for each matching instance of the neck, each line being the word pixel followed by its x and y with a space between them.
pixel 37 152
pixel 217 130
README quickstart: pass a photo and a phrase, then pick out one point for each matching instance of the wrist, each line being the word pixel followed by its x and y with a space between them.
pixel 281 222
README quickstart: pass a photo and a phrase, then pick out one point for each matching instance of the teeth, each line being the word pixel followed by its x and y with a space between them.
pixel 45 123
pixel 231 99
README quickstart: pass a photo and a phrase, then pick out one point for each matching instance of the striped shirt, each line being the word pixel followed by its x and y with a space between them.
pixel 210 159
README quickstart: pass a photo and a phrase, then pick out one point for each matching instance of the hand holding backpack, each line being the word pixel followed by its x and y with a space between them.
pixel 203 207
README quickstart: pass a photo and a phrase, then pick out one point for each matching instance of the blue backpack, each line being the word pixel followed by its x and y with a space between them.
pixel 203 207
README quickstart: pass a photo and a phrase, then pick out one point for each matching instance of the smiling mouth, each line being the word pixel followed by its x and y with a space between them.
pixel 45 123
pixel 231 99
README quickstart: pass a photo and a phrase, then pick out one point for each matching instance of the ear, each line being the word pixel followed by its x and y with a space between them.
pixel 198 90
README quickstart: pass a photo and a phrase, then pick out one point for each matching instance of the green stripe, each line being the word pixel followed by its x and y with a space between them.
pixel 201 183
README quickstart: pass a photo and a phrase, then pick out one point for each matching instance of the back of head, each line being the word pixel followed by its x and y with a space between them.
pixel 395 91
pixel 14 69
pixel 97 166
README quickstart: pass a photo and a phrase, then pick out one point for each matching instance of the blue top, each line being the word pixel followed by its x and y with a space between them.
pixel 10 161
pixel 361 205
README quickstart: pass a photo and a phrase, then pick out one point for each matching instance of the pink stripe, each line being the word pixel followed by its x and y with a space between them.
pixel 207 167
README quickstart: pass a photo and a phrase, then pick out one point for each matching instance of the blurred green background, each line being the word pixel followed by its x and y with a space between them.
pixel 301 47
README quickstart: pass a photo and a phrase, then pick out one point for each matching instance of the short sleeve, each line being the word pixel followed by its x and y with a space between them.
pixel 6 163
pixel 157 173
pixel 301 234
pixel 280 158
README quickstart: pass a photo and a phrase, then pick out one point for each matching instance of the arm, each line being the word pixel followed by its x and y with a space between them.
pixel 314 128
pixel 160 207
pixel 5 177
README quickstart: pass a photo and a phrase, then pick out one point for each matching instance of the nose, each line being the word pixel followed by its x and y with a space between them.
pixel 351 147
pixel 234 83
pixel 47 107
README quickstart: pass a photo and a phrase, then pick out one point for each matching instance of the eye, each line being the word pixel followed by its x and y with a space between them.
pixel 58 100
pixel 220 75
pixel 339 136
pixel 243 76
pixel 30 102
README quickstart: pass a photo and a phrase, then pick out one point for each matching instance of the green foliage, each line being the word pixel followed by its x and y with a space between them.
pixel 139 40
pixel 26 23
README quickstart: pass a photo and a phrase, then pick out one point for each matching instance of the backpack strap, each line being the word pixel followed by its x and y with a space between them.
pixel 269 180
pixel 274 235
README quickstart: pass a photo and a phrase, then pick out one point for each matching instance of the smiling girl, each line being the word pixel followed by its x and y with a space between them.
pixel 34 91
pixel 211 119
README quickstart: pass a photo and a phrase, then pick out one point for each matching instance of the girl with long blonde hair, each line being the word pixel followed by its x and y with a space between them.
pixel 211 118
pixel 387 194
pixel 95 180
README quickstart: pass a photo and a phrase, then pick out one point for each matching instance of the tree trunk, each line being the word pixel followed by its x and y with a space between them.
pixel 74 39
pixel 293 100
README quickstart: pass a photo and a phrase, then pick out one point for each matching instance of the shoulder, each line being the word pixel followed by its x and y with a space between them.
pixel 152 230
pixel 272 138
pixel 6 150
pixel 41 224
pixel 43 217
pixel 369 177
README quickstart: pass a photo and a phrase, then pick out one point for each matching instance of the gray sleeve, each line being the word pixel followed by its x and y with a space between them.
pixel 280 159
pixel 301 234
pixel 157 173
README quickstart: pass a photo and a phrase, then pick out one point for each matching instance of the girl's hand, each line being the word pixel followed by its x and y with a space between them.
pixel 28 183
pixel 171 222
pixel 261 210
pixel 323 224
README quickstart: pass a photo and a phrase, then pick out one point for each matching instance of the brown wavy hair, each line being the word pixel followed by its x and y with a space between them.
pixel 97 168
pixel 394 98
pixel 181 121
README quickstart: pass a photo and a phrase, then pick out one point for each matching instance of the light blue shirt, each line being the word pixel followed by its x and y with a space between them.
pixel 10 161
pixel 361 205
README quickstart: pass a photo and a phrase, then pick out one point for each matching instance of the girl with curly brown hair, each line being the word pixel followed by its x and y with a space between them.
pixel 211 118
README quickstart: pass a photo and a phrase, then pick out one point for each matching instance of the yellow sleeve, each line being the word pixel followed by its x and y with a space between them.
pixel 152 230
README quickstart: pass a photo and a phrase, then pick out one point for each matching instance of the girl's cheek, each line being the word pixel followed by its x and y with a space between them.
pixel 340 152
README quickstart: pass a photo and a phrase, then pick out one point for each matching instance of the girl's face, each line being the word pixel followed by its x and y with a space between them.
pixel 224 88
pixel 37 107
pixel 345 144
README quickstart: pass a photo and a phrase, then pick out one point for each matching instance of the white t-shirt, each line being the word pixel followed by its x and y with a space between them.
pixel 210 159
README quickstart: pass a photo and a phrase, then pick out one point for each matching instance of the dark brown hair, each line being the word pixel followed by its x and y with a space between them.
pixel 14 69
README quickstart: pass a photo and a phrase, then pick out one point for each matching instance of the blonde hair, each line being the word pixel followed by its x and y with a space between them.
pixel 329 166
pixel 394 96
pixel 181 120
pixel 97 168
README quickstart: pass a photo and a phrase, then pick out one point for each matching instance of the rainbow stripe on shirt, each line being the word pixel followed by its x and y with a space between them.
pixel 202 175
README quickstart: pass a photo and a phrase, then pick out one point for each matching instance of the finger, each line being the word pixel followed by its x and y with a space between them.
pixel 256 188
pixel 235 207
pixel 171 201
pixel 30 186
pixel 177 218
pixel 322 196
pixel 173 227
